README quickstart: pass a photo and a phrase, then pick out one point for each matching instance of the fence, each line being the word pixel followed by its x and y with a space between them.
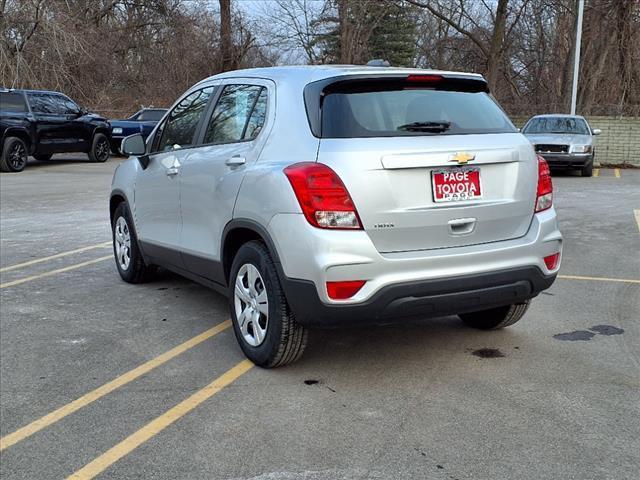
pixel 619 142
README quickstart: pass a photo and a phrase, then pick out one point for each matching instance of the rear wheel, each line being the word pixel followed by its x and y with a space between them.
pixel 496 318
pixel 42 157
pixel 129 261
pixel 100 148
pixel 14 155
pixel 263 324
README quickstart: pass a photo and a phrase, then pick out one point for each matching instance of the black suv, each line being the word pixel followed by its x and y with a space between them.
pixel 41 123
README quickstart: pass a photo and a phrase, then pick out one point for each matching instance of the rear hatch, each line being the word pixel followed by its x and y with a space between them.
pixel 429 163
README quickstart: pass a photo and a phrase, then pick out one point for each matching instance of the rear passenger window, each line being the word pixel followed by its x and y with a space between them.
pixel 238 115
pixel 180 127
pixel 43 103
pixel 12 102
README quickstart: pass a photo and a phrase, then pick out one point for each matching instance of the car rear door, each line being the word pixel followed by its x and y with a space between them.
pixel 401 150
pixel 157 191
pixel 51 122
pixel 213 173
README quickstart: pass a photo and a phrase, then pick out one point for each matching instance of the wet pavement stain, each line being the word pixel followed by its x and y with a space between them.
pixel 576 336
pixel 488 353
pixel 607 330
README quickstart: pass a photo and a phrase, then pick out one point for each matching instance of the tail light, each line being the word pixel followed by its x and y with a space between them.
pixel 544 198
pixel 324 199
pixel 344 290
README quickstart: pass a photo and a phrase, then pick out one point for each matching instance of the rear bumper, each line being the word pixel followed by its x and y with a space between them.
pixel 427 298
pixel 567 160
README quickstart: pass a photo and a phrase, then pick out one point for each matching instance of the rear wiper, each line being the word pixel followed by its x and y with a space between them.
pixel 435 127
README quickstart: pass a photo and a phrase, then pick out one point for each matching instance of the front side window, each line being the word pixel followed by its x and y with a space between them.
pixel 179 129
pixel 570 125
pixel 64 105
pixel 239 114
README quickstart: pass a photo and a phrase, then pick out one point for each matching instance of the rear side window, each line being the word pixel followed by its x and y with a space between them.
pixel 238 115
pixel 399 108
pixel 43 103
pixel 12 102
pixel 180 127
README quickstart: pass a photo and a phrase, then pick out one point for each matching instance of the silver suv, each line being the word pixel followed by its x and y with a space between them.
pixel 325 196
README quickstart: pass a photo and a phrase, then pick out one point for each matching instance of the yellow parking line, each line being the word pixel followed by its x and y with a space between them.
pixel 636 213
pixel 596 172
pixel 109 387
pixel 53 257
pixel 154 427
pixel 54 272
pixel 616 172
pixel 599 279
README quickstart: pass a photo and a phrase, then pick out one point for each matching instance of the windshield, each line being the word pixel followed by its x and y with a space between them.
pixel 411 112
pixel 573 126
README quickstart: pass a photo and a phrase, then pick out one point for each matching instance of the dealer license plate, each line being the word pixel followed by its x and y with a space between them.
pixel 455 184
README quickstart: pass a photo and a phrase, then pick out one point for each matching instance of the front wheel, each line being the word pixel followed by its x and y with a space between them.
pixel 263 323
pixel 587 171
pixel 100 148
pixel 129 261
pixel 496 318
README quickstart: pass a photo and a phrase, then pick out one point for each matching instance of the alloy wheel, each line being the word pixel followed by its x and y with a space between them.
pixel 17 156
pixel 102 150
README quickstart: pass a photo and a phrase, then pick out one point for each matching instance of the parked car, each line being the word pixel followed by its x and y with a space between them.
pixel 565 141
pixel 362 195
pixel 41 123
pixel 141 122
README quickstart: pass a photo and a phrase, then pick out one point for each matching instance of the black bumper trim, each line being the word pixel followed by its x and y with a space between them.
pixel 427 298
pixel 567 160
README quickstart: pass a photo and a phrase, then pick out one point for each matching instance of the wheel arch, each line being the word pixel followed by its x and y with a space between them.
pixel 238 232
pixel 23 135
pixel 117 197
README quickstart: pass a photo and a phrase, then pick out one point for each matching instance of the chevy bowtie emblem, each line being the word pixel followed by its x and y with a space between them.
pixel 462 157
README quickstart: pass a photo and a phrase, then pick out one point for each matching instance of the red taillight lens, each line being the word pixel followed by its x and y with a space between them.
pixel 324 199
pixel 544 197
pixel 552 261
pixel 344 290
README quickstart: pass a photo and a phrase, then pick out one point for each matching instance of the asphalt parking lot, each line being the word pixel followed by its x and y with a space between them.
pixel 92 368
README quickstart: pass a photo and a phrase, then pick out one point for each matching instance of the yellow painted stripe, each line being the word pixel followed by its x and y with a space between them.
pixel 596 172
pixel 109 387
pixel 616 172
pixel 53 257
pixel 154 427
pixel 54 272
pixel 636 213
pixel 599 279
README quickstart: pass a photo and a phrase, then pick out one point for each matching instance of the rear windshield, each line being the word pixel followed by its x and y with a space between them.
pixel 151 115
pixel 402 111
pixel 574 126
pixel 12 102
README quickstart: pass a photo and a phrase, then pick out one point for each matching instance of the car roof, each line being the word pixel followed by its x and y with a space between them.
pixel 305 74
pixel 556 115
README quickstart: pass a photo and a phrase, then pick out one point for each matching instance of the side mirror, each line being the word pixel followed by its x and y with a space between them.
pixel 596 131
pixel 133 145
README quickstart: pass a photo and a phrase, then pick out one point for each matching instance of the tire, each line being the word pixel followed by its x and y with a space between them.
pixel 125 247
pixel 14 155
pixel 100 148
pixel 277 339
pixel 495 318
pixel 41 157
pixel 587 171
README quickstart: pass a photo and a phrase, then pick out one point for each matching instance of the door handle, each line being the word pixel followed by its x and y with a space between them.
pixel 173 170
pixel 462 226
pixel 235 161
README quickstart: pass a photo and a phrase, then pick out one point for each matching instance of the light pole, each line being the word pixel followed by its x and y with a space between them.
pixel 576 59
